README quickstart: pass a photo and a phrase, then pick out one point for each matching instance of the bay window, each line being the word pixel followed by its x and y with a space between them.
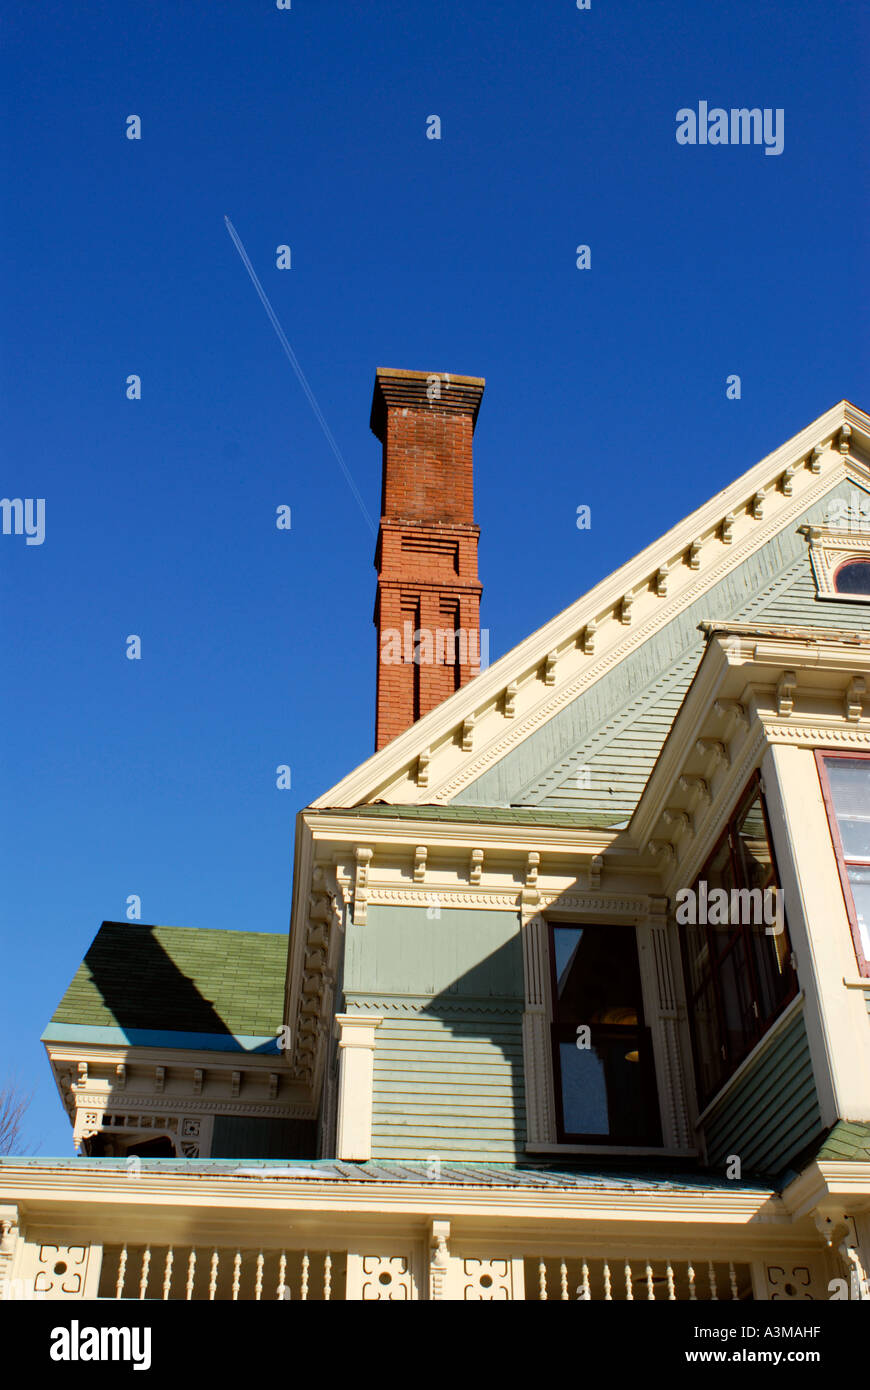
pixel 737 959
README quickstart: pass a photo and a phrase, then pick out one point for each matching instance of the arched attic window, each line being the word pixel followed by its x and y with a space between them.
pixel 853 578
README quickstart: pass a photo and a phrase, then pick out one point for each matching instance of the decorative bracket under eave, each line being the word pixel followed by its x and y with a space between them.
pixel 698 787
pixel 785 690
pixel 363 858
pixel 855 692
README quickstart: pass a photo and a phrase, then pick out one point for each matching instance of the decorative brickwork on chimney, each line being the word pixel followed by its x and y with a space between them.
pixel 427 611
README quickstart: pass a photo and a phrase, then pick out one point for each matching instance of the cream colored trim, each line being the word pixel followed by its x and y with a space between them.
pixel 537 1050
pixel 663 1015
pixel 356 1041
pixel 95 1197
pixel 837 1024
pixel 96 1081
pixel 342 827
pixel 828 1184
pixel 830 546
pixel 818 735
pixel 604 904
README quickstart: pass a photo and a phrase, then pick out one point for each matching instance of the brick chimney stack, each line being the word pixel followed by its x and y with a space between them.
pixel 427 611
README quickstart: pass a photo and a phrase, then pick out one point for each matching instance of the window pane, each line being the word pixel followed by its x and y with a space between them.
pixel 850 790
pixel 603 1089
pixel 584 1091
pixel 853 578
pixel 708 1041
pixel 697 955
pixel 771 953
pixel 719 874
pixel 565 943
pixel 597 974
pixel 859 882
pixel 741 1024
pixel 755 862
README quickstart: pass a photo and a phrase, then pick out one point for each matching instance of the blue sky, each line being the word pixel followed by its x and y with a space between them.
pixel 308 128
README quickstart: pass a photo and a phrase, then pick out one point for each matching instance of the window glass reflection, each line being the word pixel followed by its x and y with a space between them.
pixel 849 779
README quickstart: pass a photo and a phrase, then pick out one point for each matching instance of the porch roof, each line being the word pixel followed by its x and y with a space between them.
pixel 579 1178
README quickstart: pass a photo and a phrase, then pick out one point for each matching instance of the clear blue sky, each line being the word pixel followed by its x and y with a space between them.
pixel 606 387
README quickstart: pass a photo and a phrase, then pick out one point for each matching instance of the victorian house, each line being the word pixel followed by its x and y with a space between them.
pixel 575 999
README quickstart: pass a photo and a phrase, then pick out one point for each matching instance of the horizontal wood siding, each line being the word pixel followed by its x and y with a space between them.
pixel 615 730
pixel 448 1079
pixel 450 1088
pixel 254 1136
pixel 772 1112
pixel 461 952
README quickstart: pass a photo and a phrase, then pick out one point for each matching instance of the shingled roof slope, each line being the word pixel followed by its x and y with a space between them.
pixel 178 979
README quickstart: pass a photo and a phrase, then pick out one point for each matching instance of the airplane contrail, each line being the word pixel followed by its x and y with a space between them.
pixel 294 363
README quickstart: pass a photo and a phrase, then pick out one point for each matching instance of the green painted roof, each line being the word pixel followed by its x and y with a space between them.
pixel 178 979
pixel 848 1142
pixel 589 1177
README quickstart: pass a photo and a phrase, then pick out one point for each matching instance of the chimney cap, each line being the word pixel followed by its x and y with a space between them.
pixel 456 395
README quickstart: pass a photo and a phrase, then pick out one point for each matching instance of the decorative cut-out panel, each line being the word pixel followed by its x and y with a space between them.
pixel 61 1270
pixel 386 1277
pixel 794 1283
pixel 488 1280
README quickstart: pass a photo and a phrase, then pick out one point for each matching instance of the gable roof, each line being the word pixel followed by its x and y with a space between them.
pixel 447 755
pixel 191 981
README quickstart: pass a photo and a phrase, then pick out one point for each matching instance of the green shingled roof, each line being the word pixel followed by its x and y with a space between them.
pixel 848 1142
pixel 178 979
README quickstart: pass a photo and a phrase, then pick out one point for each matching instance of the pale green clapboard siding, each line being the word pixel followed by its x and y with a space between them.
pixel 448 1078
pixel 401 950
pixel 616 729
pixel 773 1111
pixel 450 1088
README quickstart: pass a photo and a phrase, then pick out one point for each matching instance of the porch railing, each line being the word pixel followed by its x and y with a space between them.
pixel 234 1274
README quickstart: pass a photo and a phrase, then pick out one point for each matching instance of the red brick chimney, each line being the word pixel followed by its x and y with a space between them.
pixel 427 610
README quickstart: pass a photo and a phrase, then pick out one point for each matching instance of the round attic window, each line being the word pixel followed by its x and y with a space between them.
pixel 853 578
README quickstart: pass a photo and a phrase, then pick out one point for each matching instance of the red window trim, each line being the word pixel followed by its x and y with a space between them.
pixel 842 863
pixel 859 559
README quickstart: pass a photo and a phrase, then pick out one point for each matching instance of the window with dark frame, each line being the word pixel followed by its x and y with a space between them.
pixel 605 1082
pixel 845 779
pixel 739 974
